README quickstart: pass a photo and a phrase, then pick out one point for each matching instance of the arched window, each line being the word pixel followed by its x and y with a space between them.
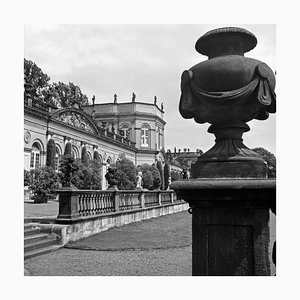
pixel 57 158
pixel 89 156
pixel 35 156
pixel 74 152
pixel 125 131
pixel 145 132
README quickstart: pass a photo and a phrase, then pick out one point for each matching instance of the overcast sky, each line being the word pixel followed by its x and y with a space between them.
pixel 147 60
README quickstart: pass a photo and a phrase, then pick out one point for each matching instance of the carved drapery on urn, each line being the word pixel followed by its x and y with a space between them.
pixel 227 91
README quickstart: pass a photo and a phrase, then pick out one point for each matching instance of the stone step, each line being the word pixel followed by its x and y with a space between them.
pixel 35 237
pixel 37 252
pixel 31 231
pixel 39 244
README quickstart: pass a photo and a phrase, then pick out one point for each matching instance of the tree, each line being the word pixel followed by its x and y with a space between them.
pixel 84 156
pixel 68 94
pixel 50 159
pixel 270 159
pixel 27 178
pixel 96 155
pixel 156 177
pixel 175 176
pixel 160 169
pixel 167 174
pixel 147 180
pixel 44 183
pixel 36 79
pixel 68 149
pixel 85 177
pixel 126 173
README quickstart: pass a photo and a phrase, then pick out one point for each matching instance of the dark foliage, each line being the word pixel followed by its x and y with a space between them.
pixel 156 177
pixel 160 169
pixel 126 173
pixel 50 159
pixel 44 183
pixel 68 149
pixel 270 159
pixel 175 176
pixel 167 174
pixel 84 156
pixel 147 180
pixel 27 178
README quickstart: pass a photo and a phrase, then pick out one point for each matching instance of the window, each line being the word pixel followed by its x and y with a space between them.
pixel 74 153
pixel 57 158
pixel 35 156
pixel 124 131
pixel 144 136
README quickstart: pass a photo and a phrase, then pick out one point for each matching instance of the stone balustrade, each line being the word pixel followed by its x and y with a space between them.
pixel 77 205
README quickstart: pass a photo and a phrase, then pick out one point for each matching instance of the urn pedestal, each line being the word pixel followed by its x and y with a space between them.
pixel 229 195
pixel 230 225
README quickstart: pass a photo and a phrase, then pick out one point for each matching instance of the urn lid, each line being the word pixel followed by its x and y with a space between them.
pixel 226 40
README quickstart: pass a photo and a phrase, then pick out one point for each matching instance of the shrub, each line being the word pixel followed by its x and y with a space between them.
pixel 67 167
pixel 27 178
pixel 125 173
pixel 43 184
pixel 84 156
pixel 96 155
pixel 147 180
pixel 167 174
pixel 87 176
pixel 175 176
pixel 156 177
pixel 68 149
pixel 270 160
pixel 50 160
pixel 160 169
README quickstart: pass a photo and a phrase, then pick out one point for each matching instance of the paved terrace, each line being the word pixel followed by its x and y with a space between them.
pixel 155 247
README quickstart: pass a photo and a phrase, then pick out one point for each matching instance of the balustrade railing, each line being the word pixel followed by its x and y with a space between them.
pixel 166 197
pixel 77 204
pixel 129 200
pixel 152 198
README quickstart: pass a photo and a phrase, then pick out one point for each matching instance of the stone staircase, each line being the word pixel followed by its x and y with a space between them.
pixel 37 242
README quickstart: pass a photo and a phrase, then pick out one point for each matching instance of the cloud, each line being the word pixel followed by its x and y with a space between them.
pixel 145 59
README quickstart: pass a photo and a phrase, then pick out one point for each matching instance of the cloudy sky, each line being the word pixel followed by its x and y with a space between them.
pixel 147 60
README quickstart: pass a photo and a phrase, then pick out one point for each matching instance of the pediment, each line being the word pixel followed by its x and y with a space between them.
pixel 75 119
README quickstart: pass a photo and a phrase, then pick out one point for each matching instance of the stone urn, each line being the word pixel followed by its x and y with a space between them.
pixel 227 91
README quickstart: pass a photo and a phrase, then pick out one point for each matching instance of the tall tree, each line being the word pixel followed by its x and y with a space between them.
pixel 269 158
pixel 68 94
pixel 35 78
pixel 156 177
pixel 160 169
pixel 147 180
pixel 84 156
pixel 167 174
pixel 50 159
pixel 68 149
pixel 126 173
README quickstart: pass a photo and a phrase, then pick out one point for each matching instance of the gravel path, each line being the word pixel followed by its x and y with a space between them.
pixel 155 247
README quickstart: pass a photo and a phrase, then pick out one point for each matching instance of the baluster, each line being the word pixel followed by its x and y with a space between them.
pixel 84 206
pixel 80 204
pixel 91 207
pixel 94 204
pixel 88 204
pixel 104 203
pixel 97 204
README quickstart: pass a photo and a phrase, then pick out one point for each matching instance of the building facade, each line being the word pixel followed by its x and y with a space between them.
pixel 135 129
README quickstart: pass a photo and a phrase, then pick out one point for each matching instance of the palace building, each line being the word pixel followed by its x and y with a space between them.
pixel 133 128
